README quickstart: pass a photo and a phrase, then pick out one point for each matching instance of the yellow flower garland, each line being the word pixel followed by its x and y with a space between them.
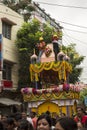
pixel 61 67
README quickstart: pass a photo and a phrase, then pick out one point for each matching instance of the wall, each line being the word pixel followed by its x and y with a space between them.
pixel 9 48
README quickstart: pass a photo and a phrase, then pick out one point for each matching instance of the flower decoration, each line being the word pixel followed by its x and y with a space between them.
pixel 65 87
pixel 24 90
pixel 60 88
pixel 55 90
pixel 34 91
pixel 48 51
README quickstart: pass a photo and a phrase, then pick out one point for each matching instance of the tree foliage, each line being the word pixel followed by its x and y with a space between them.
pixel 75 60
pixel 83 94
pixel 23 7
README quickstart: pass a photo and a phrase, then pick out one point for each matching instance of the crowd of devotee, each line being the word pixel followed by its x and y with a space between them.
pixel 45 121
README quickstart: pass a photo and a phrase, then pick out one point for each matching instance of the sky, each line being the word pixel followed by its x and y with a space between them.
pixel 72 16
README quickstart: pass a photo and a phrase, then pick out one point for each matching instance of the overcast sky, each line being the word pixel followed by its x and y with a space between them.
pixel 72 15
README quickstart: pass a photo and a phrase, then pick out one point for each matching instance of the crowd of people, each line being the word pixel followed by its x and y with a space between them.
pixel 21 121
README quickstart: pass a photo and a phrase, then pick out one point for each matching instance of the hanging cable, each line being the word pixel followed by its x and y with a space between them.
pixel 75 30
pixel 73 24
pixel 62 5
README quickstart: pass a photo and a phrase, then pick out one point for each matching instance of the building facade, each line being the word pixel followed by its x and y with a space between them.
pixel 10 22
pixel 43 17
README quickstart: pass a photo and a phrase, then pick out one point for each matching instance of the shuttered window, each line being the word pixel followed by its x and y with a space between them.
pixel 6 30
pixel 7 71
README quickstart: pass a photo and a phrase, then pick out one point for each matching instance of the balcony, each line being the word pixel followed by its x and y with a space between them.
pixel 7 84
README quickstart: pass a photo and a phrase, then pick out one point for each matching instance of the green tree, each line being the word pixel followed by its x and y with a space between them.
pixel 75 60
pixel 83 94
pixel 23 7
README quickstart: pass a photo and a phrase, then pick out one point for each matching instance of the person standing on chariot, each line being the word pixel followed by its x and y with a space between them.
pixel 56 47
pixel 41 46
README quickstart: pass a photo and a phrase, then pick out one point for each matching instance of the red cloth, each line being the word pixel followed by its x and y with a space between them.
pixel 83 119
pixel 34 120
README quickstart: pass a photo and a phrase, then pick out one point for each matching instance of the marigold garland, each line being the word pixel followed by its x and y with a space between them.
pixel 61 95
pixel 47 96
pixel 61 67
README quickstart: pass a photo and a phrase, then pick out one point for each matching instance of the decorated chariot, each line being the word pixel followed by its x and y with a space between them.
pixel 52 91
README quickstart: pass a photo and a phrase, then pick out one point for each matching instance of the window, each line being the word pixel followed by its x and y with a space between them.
pixel 7 71
pixel 6 30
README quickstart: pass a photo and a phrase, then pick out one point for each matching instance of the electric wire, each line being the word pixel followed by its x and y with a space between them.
pixel 66 6
pixel 72 24
pixel 67 38
pixel 78 7
pixel 73 40
pixel 75 31
pixel 85 43
pixel 80 51
pixel 66 42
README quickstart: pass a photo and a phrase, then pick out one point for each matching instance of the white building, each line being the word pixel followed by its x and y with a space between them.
pixel 10 22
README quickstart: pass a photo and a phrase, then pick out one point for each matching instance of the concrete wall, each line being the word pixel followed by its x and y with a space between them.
pixel 9 48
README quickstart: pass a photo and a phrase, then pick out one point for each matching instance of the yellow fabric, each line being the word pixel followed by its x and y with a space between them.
pixel 61 66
